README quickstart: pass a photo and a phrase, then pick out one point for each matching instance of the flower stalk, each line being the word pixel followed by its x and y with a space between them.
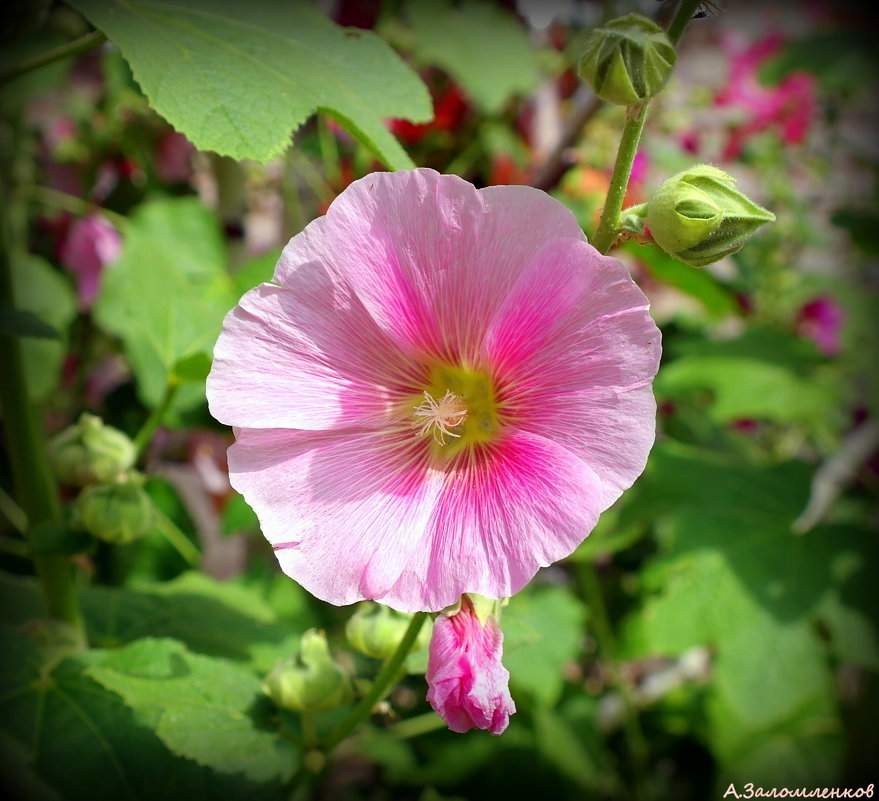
pixel 35 486
pixel 636 115
pixel 67 50
pixel 380 687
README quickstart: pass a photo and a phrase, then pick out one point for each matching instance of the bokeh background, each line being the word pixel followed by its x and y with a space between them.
pixel 719 626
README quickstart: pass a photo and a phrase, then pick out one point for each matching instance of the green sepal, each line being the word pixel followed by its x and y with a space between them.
pixel 628 60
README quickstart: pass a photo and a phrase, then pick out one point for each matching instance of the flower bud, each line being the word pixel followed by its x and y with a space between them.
pixel 467 684
pixel 90 452
pixel 376 630
pixel 628 60
pixel 698 216
pixel 118 513
pixel 311 683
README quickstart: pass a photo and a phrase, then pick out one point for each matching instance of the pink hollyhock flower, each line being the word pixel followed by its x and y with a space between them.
pixel 92 244
pixel 439 394
pixel 788 107
pixel 467 684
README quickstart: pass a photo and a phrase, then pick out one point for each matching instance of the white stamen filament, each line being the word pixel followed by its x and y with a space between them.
pixel 442 415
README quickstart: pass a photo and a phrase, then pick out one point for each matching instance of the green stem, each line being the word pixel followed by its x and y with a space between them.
pixel 420 724
pixel 329 151
pixel 380 686
pixel 681 19
pixel 74 48
pixel 71 203
pixel 604 635
pixel 608 226
pixel 35 486
pixel 177 539
pixel 144 436
pixel 12 512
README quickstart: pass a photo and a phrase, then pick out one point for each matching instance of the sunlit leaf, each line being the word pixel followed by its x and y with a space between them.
pixel 167 294
pixel 81 740
pixel 239 78
pixel 209 710
pixel 481 45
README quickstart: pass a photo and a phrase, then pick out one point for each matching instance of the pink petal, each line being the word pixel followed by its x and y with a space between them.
pixel 356 514
pixel 306 355
pixel 468 684
pixel 577 349
pixel 343 509
pixel 432 258
pixel 499 520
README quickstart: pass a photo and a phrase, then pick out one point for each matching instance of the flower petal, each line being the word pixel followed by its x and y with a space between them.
pixel 306 355
pixel 576 350
pixel 343 509
pixel 432 258
pixel 498 520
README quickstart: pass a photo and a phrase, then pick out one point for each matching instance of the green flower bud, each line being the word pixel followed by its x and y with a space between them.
pixel 90 452
pixel 628 60
pixel 311 683
pixel 376 630
pixel 118 513
pixel 698 216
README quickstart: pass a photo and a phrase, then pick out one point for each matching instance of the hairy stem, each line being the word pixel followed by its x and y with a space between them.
pixel 608 226
pixel 36 493
pixel 380 687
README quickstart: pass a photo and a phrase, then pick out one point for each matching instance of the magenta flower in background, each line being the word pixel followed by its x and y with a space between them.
pixel 467 684
pixel 788 107
pixel 91 245
pixel 821 320
pixel 439 394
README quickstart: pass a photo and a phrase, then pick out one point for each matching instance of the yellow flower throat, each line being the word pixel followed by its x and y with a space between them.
pixel 457 409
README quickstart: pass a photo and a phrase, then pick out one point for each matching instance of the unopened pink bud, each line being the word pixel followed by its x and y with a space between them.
pixel 467 684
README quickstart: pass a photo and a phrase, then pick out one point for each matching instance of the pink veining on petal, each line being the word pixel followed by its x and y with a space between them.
pixel 467 684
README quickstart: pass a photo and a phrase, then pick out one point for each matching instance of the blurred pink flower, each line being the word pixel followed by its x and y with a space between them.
pixel 91 245
pixel 439 394
pixel 821 320
pixel 173 157
pixel 787 107
pixel 467 684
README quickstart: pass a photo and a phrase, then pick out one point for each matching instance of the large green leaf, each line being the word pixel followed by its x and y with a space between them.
pixel 210 710
pixel 762 375
pixel 480 44
pixel 168 292
pixel 237 78
pixel 543 631
pixel 737 579
pixel 70 738
pixel 209 617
